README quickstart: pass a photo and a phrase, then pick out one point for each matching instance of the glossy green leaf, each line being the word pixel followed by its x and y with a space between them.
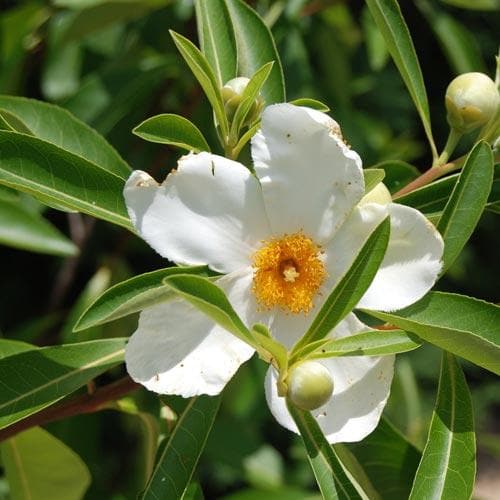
pixel 21 228
pixel 38 466
pixel 466 204
pixel 35 379
pixel 392 25
pixel 132 295
pixel 458 43
pixel 172 129
pixel 351 287
pixel 372 177
pixel 216 36
pixel 38 167
pixel 448 465
pixel 332 479
pixel 9 121
pixel 210 300
pixel 397 173
pixel 371 343
pixel 176 465
pixel 57 126
pixel 388 459
pixel 10 347
pixel 467 327
pixel 311 103
pixel 255 47
pixel 205 76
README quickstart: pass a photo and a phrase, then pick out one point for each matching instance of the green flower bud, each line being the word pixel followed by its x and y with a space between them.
pixel 232 96
pixel 379 194
pixel 310 385
pixel 471 100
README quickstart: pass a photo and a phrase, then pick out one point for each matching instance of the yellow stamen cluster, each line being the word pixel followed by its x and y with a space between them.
pixel 288 273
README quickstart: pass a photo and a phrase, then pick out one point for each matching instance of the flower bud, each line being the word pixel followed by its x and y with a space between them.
pixel 471 100
pixel 232 96
pixel 310 385
pixel 379 194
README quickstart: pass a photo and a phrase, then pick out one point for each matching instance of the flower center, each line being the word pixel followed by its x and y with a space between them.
pixel 288 272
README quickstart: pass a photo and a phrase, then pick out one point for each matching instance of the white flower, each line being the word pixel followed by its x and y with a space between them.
pixel 283 237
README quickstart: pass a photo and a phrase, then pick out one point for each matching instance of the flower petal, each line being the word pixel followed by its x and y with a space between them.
pixel 310 179
pixel 411 264
pixel 178 350
pixel 361 389
pixel 210 211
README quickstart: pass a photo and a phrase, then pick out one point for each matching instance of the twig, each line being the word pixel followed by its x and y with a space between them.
pixel 87 403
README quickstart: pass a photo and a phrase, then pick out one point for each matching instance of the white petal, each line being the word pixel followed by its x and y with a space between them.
pixel 178 350
pixel 310 179
pixel 209 211
pixel 411 264
pixel 361 389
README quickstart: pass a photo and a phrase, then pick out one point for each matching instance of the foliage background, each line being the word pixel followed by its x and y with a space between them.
pixel 113 64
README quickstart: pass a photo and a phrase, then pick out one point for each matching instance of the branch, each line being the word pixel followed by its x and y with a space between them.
pixel 88 403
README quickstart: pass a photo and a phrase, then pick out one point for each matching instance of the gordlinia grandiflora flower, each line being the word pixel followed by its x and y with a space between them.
pixel 283 238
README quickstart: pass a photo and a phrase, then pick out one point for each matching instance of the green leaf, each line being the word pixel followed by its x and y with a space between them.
pixel 311 103
pixel 371 343
pixel 351 287
pixel 205 76
pixel 210 300
pixel 40 168
pixel 255 47
pixel 372 177
pixel 24 229
pixel 57 126
pixel 467 327
pixel 475 4
pixel 217 38
pixel 397 174
pixel 176 465
pixel 332 479
pixel 10 347
pixel 9 121
pixel 392 25
pixel 132 295
pixel 172 129
pixel 448 465
pixel 467 202
pixel 35 379
pixel 388 459
pixel 38 466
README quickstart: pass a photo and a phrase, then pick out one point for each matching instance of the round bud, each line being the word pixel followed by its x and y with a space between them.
pixel 232 93
pixel 310 385
pixel 471 100
pixel 379 194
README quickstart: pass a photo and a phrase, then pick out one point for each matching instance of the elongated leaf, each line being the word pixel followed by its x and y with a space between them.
pixel 372 177
pixel 38 466
pixel 34 379
pixel 205 76
pixel 388 459
pixel 38 167
pixel 176 465
pixel 20 228
pixel 467 202
pixel 448 464
pixel 255 47
pixel 57 126
pixel 9 121
pixel 475 4
pixel 351 287
pixel 372 343
pixel 211 300
pixel 467 327
pixel 311 103
pixel 10 347
pixel 216 36
pixel 397 173
pixel 392 25
pixel 132 295
pixel 172 129
pixel 330 475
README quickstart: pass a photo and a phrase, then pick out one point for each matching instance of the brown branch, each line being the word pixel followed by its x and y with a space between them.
pixel 88 403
